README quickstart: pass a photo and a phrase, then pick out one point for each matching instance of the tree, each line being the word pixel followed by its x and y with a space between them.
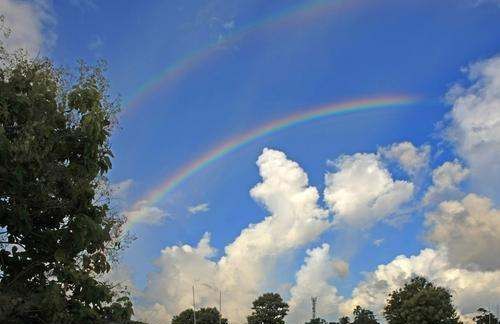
pixel 419 301
pixel 203 316
pixel 363 316
pixel 344 320
pixel 57 230
pixel 485 317
pixel 268 309
pixel 316 320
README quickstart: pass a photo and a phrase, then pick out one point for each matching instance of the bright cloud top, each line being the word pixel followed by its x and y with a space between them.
pixel 362 191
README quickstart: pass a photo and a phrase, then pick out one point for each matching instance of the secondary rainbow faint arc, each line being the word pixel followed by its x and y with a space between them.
pixel 177 68
pixel 238 141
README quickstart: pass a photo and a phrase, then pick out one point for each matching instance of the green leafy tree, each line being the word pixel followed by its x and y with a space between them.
pixel 344 320
pixel 485 317
pixel 268 309
pixel 420 301
pixel 203 316
pixel 57 230
pixel 316 320
pixel 363 316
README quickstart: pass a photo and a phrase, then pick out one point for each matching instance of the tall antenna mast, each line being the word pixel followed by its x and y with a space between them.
pixel 194 307
pixel 314 300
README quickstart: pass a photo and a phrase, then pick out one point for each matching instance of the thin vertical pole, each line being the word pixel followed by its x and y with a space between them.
pixel 194 308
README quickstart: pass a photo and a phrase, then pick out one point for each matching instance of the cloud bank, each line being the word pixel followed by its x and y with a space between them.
pixel 469 230
pixel 475 123
pixel 294 220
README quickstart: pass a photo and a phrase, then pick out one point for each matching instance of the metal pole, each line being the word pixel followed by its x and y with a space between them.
pixel 194 307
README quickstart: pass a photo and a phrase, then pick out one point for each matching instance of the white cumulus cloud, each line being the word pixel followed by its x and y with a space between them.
pixel 313 280
pixel 243 272
pixel 445 182
pixel 469 230
pixel 411 158
pixel 169 289
pixel 143 213
pixel 362 191
pixel 475 124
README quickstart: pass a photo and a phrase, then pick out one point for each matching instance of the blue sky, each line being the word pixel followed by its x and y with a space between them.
pixel 350 50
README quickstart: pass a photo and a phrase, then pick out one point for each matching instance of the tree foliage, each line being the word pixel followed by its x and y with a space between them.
pixel 203 316
pixel 363 316
pixel 420 301
pixel 268 309
pixel 485 317
pixel 57 232
pixel 344 320
pixel 316 320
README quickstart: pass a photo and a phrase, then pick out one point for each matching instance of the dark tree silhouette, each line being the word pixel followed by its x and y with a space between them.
pixel 268 309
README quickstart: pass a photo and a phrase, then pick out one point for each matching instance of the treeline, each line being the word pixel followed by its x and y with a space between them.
pixel 419 301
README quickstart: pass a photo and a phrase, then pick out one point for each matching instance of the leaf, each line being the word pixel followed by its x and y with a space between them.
pixel 59 255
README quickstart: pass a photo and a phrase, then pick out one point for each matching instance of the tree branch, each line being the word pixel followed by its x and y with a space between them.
pixel 6 242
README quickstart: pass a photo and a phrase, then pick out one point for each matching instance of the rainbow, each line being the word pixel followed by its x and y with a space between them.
pixel 174 71
pixel 306 115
